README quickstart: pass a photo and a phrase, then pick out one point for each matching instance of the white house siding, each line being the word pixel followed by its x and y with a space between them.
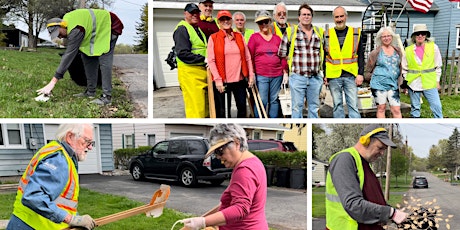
pixel 166 15
pixel 319 173
pixel 141 132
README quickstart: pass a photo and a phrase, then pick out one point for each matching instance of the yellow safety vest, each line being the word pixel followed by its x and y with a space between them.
pixel 318 31
pixel 426 70
pixel 336 216
pixel 198 45
pixel 247 34
pixel 98 29
pixel 345 58
pixel 277 30
pixel 67 200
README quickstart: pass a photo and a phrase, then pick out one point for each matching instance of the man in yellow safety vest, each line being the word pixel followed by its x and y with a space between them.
pixel 239 18
pixel 47 196
pixel 354 198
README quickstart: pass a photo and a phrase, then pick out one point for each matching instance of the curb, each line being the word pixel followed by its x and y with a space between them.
pixel 3 224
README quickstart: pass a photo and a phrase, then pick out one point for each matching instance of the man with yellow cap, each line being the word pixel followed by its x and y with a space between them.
pixel 94 33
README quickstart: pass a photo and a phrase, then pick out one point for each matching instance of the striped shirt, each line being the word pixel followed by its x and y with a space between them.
pixel 306 58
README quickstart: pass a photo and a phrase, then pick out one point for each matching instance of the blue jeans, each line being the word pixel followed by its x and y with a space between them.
pixel 301 87
pixel 431 96
pixel 269 87
pixel 347 85
pixel 17 224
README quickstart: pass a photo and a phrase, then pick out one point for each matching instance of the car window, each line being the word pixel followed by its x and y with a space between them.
pixel 161 148
pixel 196 148
pixel 253 146
pixel 178 147
pixel 268 145
pixel 289 146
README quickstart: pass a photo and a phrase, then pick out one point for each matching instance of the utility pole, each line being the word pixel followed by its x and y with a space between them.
pixel 387 181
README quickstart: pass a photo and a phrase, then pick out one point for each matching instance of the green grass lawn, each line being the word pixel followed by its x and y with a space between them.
pixel 22 73
pixel 450 107
pixel 396 195
pixel 99 205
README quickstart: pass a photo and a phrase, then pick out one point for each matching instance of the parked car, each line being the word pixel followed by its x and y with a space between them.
pixel 378 175
pixel 47 44
pixel 269 145
pixel 420 182
pixel 179 159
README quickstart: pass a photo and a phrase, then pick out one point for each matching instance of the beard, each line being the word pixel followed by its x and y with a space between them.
pixel 82 156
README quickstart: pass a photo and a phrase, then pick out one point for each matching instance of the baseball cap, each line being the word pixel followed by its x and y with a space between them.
pixel 382 136
pixel 217 145
pixel 53 26
pixel 224 13
pixel 191 7
pixel 211 1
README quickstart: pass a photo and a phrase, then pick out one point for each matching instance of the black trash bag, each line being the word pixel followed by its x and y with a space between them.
pixel 77 71
pixel 171 59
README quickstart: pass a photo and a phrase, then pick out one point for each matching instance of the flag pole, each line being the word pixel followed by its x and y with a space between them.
pixel 392 8
pixel 404 7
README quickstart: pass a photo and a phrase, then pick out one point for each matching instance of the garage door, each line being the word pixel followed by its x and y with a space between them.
pixel 92 162
pixel 164 47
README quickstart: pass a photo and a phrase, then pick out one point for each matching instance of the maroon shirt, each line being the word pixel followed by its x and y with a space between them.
pixel 208 28
pixel 372 191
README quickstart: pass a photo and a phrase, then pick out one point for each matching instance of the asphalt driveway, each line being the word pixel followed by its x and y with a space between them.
pixel 285 210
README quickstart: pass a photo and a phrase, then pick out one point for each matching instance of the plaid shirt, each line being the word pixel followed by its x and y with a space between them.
pixel 306 58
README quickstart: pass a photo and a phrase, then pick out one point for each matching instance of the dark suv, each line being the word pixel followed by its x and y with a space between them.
pixel 420 182
pixel 269 145
pixel 179 159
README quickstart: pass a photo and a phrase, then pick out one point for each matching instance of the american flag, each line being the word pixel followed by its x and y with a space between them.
pixel 422 5
pixel 454 0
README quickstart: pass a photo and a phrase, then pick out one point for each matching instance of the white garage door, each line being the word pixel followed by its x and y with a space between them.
pixel 92 162
pixel 164 47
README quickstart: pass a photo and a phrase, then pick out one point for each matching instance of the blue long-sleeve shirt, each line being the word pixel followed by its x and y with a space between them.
pixel 46 184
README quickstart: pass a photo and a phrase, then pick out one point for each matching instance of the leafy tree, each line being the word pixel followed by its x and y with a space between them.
pixel 449 158
pixel 317 129
pixel 399 164
pixel 96 4
pixel 435 155
pixel 142 30
pixel 35 13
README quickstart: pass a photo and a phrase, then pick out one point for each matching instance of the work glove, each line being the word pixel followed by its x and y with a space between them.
pixel 84 221
pixel 47 89
pixel 285 78
pixel 399 216
pixel 195 223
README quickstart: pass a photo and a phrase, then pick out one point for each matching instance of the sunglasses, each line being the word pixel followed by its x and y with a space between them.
pixel 420 33
pixel 263 22
pixel 281 14
pixel 220 151
pixel 89 142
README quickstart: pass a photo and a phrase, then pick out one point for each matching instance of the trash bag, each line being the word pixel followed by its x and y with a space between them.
pixel 171 59
pixel 77 71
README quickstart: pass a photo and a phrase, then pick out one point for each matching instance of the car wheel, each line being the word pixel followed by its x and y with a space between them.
pixel 217 182
pixel 188 177
pixel 137 172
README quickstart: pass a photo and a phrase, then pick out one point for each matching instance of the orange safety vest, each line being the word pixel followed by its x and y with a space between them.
pixel 67 200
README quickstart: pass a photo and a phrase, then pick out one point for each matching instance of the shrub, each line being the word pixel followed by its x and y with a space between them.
pixel 280 159
pixel 122 156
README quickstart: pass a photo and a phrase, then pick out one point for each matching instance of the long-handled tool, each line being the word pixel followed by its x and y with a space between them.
pixel 258 101
pixel 152 209
pixel 211 104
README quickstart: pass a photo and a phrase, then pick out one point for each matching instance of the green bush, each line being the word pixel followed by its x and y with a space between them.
pixel 122 156
pixel 280 159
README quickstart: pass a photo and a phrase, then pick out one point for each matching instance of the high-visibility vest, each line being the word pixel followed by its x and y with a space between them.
pixel 336 216
pixel 318 31
pixel 426 70
pixel 345 58
pixel 247 34
pixel 98 29
pixel 276 30
pixel 198 45
pixel 67 200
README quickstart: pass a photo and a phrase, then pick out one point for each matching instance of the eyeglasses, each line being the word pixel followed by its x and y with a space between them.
pixel 89 142
pixel 420 33
pixel 220 151
pixel 387 36
pixel 281 13
pixel 263 22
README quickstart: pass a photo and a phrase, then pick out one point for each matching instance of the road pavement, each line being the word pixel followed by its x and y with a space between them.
pixel 133 72
pixel 285 209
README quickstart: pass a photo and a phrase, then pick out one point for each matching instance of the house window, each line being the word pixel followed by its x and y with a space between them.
pixel 151 139
pixel 129 141
pixel 256 135
pixel 12 135
pixel 458 37
pixel 279 135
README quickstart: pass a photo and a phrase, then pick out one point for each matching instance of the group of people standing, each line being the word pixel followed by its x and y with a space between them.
pixel 304 57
